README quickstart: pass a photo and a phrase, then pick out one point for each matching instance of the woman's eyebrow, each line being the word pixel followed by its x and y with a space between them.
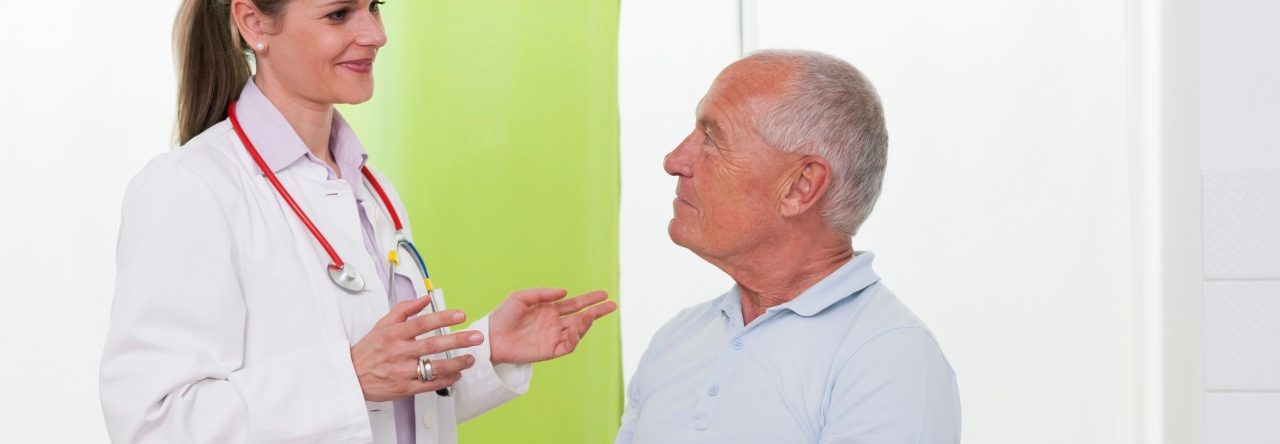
pixel 339 2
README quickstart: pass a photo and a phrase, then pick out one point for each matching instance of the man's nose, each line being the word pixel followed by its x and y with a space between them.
pixel 676 163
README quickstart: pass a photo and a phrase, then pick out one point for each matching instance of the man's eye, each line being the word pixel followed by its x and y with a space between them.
pixel 706 139
pixel 376 6
pixel 337 16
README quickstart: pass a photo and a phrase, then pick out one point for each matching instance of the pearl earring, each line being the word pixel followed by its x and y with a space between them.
pixel 261 46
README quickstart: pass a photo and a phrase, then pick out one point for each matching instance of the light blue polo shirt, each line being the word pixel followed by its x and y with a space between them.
pixel 844 362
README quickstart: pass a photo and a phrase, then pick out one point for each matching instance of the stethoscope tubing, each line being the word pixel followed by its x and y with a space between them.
pixel 335 260
pixel 346 279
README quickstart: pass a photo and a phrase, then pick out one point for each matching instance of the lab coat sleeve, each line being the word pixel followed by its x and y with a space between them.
pixel 484 385
pixel 897 388
pixel 172 370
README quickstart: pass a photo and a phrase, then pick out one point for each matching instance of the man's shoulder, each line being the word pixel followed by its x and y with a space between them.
pixel 876 310
pixel 691 317
pixel 878 316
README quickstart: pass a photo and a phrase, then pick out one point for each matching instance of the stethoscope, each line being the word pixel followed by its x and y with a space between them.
pixel 344 276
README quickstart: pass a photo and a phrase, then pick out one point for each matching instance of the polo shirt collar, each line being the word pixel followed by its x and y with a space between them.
pixel 846 282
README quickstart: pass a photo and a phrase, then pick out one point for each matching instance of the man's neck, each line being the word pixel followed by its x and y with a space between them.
pixel 776 276
pixel 313 122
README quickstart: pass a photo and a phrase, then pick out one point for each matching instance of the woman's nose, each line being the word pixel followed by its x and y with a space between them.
pixel 372 33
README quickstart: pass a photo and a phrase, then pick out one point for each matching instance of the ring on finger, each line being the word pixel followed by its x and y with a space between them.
pixel 425 372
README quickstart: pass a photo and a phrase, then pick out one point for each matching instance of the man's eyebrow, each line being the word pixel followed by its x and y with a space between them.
pixel 710 126
pixel 339 2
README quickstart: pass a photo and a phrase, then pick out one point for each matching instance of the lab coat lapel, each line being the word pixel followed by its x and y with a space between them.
pixel 385 228
pixel 331 206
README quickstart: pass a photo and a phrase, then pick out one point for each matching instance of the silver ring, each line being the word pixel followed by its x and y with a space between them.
pixel 424 370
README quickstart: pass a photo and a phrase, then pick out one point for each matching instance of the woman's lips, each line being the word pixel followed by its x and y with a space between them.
pixel 362 66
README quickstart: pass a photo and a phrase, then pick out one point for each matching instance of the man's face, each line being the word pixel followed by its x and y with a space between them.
pixel 729 181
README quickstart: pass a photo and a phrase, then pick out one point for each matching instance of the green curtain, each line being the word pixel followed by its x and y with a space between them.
pixel 497 120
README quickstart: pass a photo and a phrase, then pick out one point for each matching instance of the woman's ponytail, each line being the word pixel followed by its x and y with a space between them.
pixel 213 65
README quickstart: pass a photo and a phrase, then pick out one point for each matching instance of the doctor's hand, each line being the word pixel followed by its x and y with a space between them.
pixel 539 324
pixel 386 359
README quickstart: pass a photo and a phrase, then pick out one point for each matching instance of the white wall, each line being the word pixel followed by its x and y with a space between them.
pixel 1240 154
pixel 669 51
pixel 1005 221
pixel 87 93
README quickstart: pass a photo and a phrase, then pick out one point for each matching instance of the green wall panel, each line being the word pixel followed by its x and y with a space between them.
pixel 498 122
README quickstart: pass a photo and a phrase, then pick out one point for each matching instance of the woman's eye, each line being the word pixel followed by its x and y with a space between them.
pixel 337 16
pixel 376 6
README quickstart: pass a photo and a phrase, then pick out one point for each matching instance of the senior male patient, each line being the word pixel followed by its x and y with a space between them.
pixel 783 166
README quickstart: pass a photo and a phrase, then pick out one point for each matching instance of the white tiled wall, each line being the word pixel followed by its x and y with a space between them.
pixel 1241 418
pixel 1242 223
pixel 1240 157
pixel 1242 336
pixel 1239 63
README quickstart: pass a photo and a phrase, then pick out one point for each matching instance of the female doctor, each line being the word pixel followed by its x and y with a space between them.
pixel 258 297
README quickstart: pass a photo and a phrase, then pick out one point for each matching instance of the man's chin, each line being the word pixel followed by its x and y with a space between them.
pixel 677 235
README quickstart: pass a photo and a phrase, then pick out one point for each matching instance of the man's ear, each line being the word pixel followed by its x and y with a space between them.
pixel 809 181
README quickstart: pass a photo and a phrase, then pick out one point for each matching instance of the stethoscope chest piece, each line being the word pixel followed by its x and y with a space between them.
pixel 347 278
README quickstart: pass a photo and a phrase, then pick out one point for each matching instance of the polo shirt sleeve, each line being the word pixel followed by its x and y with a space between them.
pixel 636 391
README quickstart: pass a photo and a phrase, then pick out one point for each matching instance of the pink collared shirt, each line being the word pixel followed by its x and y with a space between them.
pixel 281 147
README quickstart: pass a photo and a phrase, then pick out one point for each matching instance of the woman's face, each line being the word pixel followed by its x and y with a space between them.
pixel 322 51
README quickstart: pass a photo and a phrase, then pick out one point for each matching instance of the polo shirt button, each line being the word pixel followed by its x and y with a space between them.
pixel 428 421
pixel 737 345
pixel 713 390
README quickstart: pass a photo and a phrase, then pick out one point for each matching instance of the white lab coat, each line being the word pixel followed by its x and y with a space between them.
pixel 225 326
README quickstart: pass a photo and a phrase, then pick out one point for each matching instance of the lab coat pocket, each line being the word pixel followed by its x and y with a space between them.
pixel 383 420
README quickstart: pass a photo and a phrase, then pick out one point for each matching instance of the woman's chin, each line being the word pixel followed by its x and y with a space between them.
pixel 356 96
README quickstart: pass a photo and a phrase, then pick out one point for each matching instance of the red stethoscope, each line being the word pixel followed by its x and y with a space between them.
pixel 340 273
pixel 343 275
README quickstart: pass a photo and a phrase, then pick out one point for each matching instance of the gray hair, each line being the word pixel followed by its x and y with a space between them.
pixel 830 110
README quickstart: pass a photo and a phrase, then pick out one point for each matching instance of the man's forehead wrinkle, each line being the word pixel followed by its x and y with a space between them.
pixel 712 111
pixel 735 106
